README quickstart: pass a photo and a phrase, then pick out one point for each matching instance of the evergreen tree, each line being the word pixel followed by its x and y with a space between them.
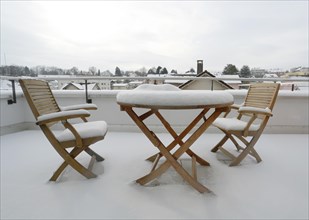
pixel 230 69
pixel 164 71
pixel 152 71
pixel 174 71
pixel 191 71
pixel 27 71
pixel 118 71
pixel 158 70
pixel 245 72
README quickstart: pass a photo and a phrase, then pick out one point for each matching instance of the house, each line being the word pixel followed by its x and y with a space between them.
pixel 79 86
pixel 206 84
pixel 150 79
pixel 120 86
pixel 232 80
pixel 134 84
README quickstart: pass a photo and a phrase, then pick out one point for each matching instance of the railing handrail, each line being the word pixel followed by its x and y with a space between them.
pixel 276 79
pixel 187 78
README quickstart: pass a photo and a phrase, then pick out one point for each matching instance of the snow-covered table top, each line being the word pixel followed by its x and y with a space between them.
pixel 167 96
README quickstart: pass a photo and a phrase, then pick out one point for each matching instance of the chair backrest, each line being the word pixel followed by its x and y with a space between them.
pixel 39 96
pixel 262 95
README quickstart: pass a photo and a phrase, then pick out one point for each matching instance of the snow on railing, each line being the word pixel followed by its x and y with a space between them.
pixel 145 78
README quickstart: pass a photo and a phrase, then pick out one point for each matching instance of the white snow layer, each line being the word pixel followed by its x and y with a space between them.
pixel 85 130
pixel 234 124
pixel 79 106
pixel 276 188
pixel 62 114
pixel 169 95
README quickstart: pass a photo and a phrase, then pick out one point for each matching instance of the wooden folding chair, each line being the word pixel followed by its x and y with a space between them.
pixel 252 118
pixel 78 136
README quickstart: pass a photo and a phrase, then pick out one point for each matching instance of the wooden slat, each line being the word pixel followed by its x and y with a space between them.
pixel 42 96
pixel 39 92
pixel 44 102
pixel 261 96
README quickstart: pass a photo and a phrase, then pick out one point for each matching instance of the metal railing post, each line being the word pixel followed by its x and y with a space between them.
pixel 12 101
pixel 86 88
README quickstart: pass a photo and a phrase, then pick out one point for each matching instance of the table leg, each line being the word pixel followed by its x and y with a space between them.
pixel 178 138
pixel 171 159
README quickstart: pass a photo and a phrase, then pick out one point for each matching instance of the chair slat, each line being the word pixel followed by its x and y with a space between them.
pixel 39 96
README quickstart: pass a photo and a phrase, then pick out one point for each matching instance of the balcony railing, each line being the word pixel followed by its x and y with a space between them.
pixel 88 80
pixel 290 112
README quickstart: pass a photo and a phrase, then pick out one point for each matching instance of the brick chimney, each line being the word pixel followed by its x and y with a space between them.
pixel 199 66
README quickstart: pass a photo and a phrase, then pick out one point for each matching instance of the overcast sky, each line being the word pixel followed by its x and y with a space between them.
pixel 172 34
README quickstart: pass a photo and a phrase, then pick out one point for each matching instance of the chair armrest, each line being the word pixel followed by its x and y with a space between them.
pixel 59 116
pixel 236 106
pixel 233 106
pixel 255 110
pixel 80 106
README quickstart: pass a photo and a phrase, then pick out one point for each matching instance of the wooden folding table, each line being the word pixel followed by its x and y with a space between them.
pixel 165 97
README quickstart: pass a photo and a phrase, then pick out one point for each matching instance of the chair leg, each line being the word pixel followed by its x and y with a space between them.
pixel 92 153
pixel 256 155
pixel 74 153
pixel 234 142
pixel 223 140
pixel 248 150
pixel 240 157
pixel 69 160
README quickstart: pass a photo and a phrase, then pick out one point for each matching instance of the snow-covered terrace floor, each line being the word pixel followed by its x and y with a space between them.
pixel 276 188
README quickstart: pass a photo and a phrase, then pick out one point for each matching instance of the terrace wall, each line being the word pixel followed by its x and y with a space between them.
pixel 290 112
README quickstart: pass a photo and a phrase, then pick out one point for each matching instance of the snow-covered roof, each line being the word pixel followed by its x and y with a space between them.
pixel 270 75
pixel 120 84
pixel 232 77
pixel 135 82
pixel 79 86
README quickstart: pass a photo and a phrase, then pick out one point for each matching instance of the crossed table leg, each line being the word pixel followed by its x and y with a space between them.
pixel 171 159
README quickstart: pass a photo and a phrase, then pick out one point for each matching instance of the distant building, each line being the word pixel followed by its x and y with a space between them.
pixel 120 86
pixel 175 82
pixel 78 86
pixel 104 84
pixel 149 80
pixel 205 84
pixel 258 72
pixel 134 84
pixel 270 75
pixel 101 84
pixel 298 71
